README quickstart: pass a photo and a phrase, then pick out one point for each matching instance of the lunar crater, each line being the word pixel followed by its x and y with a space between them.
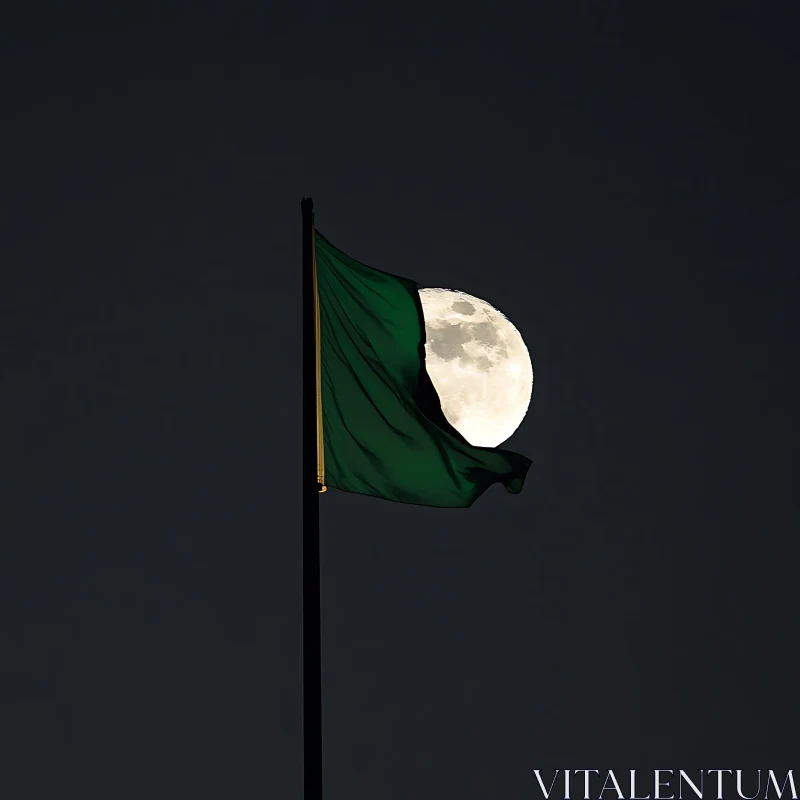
pixel 450 341
pixel 446 340
pixel 463 307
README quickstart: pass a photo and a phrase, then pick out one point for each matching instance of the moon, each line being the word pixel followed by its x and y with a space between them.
pixel 478 364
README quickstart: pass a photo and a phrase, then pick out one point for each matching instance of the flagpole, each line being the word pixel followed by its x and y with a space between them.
pixel 312 651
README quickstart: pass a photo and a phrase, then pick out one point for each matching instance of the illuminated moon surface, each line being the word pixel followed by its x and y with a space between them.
pixel 478 364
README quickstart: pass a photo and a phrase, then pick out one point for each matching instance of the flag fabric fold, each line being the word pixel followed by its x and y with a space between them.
pixel 384 431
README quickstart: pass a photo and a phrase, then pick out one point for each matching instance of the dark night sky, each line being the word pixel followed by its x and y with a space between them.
pixel 620 179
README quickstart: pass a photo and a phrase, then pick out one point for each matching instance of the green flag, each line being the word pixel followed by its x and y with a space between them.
pixel 383 428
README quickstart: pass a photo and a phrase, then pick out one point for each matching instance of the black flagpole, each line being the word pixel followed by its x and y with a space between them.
pixel 312 651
